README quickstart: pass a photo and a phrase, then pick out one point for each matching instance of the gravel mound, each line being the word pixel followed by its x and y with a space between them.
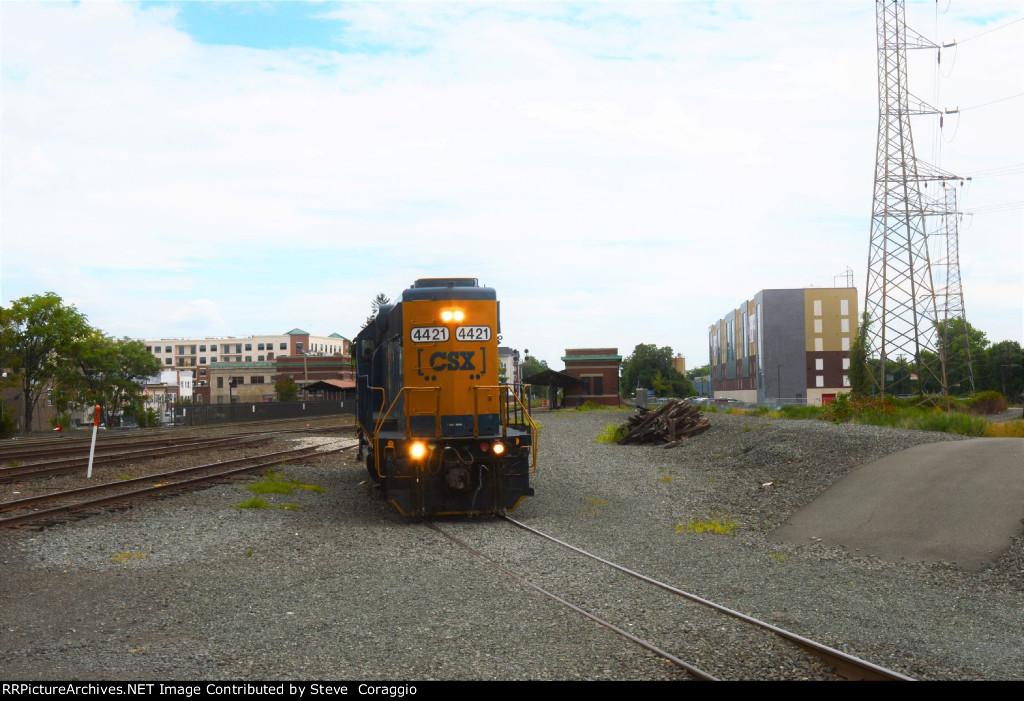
pixel 339 586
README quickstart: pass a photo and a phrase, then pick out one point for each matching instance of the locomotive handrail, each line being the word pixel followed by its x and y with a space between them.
pixel 502 413
pixel 503 416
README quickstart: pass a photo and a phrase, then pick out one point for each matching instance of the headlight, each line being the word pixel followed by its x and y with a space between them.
pixel 499 448
pixel 417 450
pixel 452 315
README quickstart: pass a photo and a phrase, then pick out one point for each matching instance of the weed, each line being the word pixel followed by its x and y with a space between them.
pixel 611 434
pixel 779 557
pixel 260 503
pixel 718 526
pixel 276 483
pixel 1005 429
pixel 594 501
pixel 746 428
pixel 122 558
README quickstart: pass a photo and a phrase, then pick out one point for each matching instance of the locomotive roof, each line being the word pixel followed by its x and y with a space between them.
pixel 438 288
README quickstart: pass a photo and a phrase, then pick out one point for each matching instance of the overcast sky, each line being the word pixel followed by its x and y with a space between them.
pixel 619 173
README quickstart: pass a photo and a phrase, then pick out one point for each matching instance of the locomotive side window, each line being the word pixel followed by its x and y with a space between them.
pixel 473 333
pixel 428 334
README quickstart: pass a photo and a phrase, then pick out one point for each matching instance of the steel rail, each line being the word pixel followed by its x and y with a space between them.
pixel 266 460
pixel 56 467
pixel 695 672
pixel 846 665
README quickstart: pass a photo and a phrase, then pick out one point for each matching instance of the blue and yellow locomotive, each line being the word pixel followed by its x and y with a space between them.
pixel 440 435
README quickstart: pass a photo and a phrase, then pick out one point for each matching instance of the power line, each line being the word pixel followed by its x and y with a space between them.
pixel 986 104
pixel 989 31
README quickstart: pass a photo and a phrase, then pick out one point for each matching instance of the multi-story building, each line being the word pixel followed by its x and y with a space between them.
pixel 201 354
pixel 790 346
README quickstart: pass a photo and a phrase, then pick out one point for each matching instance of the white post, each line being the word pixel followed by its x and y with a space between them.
pixel 92 448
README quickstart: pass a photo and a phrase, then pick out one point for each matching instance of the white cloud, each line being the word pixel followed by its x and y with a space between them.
pixel 699 157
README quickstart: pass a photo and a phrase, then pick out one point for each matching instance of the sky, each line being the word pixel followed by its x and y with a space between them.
pixel 619 173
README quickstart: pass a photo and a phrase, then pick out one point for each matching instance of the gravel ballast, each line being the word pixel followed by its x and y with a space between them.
pixel 342 587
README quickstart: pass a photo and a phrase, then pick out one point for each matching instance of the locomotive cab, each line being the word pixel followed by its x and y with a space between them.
pixel 440 435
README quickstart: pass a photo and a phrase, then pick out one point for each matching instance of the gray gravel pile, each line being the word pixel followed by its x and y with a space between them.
pixel 338 586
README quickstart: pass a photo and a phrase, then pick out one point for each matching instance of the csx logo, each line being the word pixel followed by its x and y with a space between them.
pixel 452 360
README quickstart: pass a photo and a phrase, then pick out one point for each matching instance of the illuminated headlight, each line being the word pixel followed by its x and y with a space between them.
pixel 417 450
pixel 452 315
pixel 499 448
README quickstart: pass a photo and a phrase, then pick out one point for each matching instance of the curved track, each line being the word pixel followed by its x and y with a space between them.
pixel 817 656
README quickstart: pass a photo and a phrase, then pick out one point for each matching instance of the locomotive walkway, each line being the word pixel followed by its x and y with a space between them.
pixel 960 501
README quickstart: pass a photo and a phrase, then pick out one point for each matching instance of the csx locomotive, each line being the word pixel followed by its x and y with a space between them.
pixel 440 435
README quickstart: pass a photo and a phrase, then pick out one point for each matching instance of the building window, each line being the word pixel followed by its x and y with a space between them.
pixel 817 325
pixel 598 385
pixel 819 345
pixel 220 383
pixel 846 343
pixel 817 307
pixel 167 361
pixel 298 347
pixel 844 325
pixel 248 358
pixel 213 348
pixel 844 307
pixel 202 348
pixel 819 363
pixel 202 360
pixel 846 363
pixel 213 359
pixel 248 346
pixel 167 349
pixel 149 349
pixel 238 347
pixel 284 346
pixel 261 358
pixel 846 381
pixel 819 380
pixel 202 372
pixel 260 346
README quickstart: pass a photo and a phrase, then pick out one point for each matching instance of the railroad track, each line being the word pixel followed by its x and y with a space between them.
pixel 51 468
pixel 42 449
pixel 648 616
pixel 61 505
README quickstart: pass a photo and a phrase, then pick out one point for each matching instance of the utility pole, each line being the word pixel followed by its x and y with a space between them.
pixel 900 293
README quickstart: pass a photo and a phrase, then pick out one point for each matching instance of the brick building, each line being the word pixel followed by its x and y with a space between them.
pixel 597 369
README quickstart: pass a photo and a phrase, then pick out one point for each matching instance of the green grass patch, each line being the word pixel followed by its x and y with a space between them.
pixel 276 483
pixel 779 557
pixel 594 406
pixel 611 434
pixel 261 503
pixel 718 526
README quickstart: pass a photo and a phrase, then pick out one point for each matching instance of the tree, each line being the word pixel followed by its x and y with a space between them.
pixel 287 389
pixel 964 346
pixel 859 373
pixel 36 335
pixel 531 366
pixel 379 301
pixel 1001 368
pixel 650 366
pixel 104 371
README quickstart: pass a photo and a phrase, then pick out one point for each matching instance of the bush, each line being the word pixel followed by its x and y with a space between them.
pixel 7 422
pixel 989 402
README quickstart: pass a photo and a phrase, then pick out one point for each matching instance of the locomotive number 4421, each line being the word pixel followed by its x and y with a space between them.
pixel 429 334
pixel 473 333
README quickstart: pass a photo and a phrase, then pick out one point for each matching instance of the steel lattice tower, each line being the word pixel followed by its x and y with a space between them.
pixel 950 292
pixel 900 294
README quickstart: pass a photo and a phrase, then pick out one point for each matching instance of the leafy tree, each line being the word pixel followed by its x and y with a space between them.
pixel 1001 368
pixel 859 373
pixel 532 366
pixel 964 347
pixel 650 366
pixel 36 336
pixel 287 389
pixel 105 371
pixel 379 301
pixel 698 373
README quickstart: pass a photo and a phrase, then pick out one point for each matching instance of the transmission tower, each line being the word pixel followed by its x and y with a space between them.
pixel 950 297
pixel 900 293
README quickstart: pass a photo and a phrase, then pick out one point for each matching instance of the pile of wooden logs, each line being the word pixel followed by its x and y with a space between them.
pixel 670 424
